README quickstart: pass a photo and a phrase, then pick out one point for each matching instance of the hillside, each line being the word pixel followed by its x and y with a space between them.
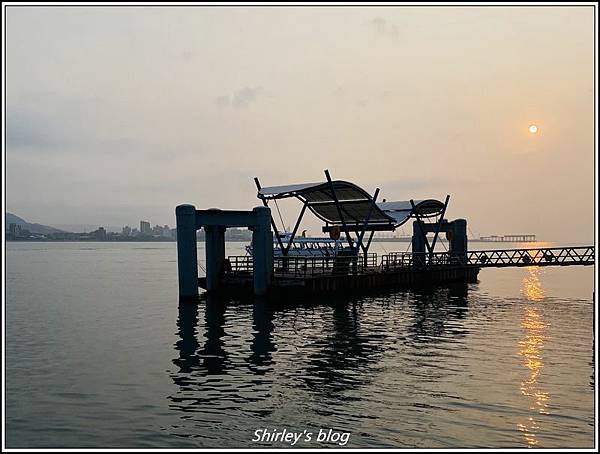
pixel 32 227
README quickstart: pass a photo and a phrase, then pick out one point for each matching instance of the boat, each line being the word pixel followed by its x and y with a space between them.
pixel 303 246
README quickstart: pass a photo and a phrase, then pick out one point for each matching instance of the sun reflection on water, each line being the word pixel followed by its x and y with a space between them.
pixel 530 350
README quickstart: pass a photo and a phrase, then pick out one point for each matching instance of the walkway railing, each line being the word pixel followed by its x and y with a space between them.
pixel 313 266
pixel 561 256
pixel 343 265
pixel 240 264
pixel 309 266
pixel 396 260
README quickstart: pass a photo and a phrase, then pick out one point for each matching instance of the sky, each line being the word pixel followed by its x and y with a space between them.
pixel 116 114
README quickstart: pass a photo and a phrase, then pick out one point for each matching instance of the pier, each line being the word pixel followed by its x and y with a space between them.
pixel 509 238
pixel 350 213
pixel 328 275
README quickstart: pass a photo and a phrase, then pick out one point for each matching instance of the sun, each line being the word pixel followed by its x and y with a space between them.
pixel 533 129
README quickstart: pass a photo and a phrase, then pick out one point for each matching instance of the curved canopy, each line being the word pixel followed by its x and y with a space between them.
pixel 401 211
pixel 355 204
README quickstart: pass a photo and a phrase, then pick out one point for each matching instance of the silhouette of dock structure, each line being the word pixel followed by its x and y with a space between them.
pixel 348 212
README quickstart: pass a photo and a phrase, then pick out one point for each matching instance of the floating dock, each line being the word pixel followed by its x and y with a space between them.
pixel 394 270
pixel 345 209
pixel 241 283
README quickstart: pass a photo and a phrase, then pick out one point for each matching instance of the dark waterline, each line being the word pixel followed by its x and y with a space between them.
pixel 100 354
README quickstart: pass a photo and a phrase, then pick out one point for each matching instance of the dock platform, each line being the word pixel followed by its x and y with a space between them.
pixel 320 275
pixel 277 263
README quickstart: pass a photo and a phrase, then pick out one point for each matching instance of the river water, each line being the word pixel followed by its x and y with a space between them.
pixel 100 354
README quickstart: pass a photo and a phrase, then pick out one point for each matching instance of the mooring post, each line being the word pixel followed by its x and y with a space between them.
pixel 458 243
pixel 215 255
pixel 187 256
pixel 262 250
pixel 418 245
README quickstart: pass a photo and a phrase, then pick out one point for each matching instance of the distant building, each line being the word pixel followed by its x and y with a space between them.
pixel 145 228
pixel 126 231
pixel 99 234
pixel 15 229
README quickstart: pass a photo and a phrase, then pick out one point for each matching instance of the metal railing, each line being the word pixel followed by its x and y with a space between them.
pixel 314 266
pixel 399 260
pixel 240 264
pixel 493 258
pixel 292 266
pixel 395 260
pixel 560 256
pixel 357 264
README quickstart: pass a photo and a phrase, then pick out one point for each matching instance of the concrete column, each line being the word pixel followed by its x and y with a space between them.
pixel 418 245
pixel 215 255
pixel 458 243
pixel 262 253
pixel 187 255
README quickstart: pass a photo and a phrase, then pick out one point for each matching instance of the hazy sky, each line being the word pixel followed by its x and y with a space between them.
pixel 119 114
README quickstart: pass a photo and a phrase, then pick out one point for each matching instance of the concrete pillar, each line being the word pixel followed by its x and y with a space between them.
pixel 418 245
pixel 187 255
pixel 458 243
pixel 215 255
pixel 262 252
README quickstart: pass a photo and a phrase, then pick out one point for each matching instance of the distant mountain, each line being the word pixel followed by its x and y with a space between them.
pixel 14 219
pixel 33 228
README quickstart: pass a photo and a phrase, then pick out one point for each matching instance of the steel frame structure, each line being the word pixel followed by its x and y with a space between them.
pixel 438 224
pixel 497 258
pixel 583 255
pixel 358 229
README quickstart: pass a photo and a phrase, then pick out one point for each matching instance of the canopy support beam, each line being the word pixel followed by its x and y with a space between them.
pixel 421 229
pixel 291 240
pixel 364 229
pixel 370 238
pixel 437 228
pixel 339 209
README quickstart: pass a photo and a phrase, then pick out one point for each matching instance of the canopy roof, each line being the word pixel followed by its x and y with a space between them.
pixel 401 211
pixel 355 204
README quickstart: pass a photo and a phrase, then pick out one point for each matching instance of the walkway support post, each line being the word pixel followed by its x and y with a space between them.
pixel 187 255
pixel 458 243
pixel 418 245
pixel 262 250
pixel 215 255
pixel 215 222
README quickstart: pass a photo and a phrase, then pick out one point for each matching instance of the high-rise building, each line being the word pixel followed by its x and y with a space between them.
pixel 145 228
pixel 99 234
pixel 126 231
